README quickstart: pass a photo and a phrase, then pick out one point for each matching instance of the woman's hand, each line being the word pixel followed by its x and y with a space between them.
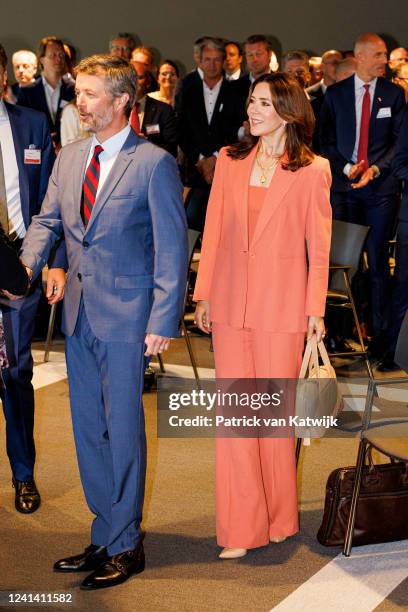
pixel 315 325
pixel 202 316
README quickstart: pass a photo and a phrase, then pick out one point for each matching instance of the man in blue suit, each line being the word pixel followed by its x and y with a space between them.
pixel 118 200
pixel 27 157
pixel 49 93
pixel 399 301
pixel 359 125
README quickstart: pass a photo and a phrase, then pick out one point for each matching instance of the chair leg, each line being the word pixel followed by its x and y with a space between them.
pixel 357 322
pixel 348 540
pixel 50 332
pixel 298 449
pixel 190 352
pixel 161 365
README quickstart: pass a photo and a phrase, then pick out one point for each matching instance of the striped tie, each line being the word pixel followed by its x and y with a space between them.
pixel 91 185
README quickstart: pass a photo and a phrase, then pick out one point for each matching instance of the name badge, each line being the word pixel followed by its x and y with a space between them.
pixel 384 112
pixel 153 128
pixel 32 156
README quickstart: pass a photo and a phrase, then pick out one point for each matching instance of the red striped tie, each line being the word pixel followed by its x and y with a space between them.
pixel 362 153
pixel 91 185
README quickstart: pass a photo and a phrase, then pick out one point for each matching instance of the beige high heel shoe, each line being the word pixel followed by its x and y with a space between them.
pixel 232 553
pixel 277 539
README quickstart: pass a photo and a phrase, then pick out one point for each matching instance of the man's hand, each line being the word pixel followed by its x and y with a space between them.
pixel 206 168
pixel 315 325
pixel 202 316
pixel 156 344
pixel 356 170
pixel 55 285
pixel 368 176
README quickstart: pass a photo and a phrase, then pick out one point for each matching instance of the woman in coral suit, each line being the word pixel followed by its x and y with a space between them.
pixel 261 285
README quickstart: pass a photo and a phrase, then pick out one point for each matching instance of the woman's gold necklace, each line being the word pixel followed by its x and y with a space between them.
pixel 266 169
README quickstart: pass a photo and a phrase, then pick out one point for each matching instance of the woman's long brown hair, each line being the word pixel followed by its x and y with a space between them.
pixel 291 103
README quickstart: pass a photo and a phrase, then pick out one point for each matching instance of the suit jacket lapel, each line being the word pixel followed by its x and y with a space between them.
pixel 43 102
pixel 220 100
pixel 19 145
pixel 281 182
pixel 377 102
pixel 150 109
pixel 241 186
pixel 350 106
pixel 121 163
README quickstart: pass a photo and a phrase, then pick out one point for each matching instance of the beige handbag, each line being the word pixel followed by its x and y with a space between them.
pixel 317 395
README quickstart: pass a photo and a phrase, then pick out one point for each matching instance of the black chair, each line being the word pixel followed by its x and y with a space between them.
pixel 386 431
pixel 345 254
pixel 193 239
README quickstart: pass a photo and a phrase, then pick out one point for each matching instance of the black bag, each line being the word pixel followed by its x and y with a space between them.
pixel 382 508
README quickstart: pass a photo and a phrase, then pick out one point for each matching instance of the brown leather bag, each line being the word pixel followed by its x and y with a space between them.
pixel 382 508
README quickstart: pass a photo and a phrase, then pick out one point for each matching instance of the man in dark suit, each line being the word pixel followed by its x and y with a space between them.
pixel 50 93
pixel 117 199
pixel 27 157
pixel 208 121
pixel 399 301
pixel 157 120
pixel 359 125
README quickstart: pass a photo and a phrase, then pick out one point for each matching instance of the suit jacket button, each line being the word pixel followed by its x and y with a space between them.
pixel 79 276
pixel 85 244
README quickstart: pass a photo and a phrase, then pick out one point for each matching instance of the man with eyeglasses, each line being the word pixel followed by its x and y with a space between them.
pixel 122 45
pixel 49 93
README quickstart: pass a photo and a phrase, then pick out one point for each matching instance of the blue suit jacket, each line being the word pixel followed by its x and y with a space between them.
pixel 400 165
pixel 130 262
pixel 337 131
pixel 33 96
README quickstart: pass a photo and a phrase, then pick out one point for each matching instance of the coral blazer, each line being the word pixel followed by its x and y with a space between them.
pixel 279 279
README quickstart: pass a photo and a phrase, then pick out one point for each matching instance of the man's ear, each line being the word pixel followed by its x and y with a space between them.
pixel 121 101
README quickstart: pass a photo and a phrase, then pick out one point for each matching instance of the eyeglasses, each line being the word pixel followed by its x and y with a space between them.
pixel 121 48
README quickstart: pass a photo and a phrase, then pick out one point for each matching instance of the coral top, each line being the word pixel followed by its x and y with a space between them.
pixel 256 198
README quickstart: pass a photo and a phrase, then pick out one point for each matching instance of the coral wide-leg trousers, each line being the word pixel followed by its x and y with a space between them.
pixel 256 495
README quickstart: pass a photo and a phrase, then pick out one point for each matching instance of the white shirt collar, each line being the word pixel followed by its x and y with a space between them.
pixel 359 84
pixel 216 87
pixel 3 112
pixel 47 85
pixel 201 73
pixel 323 86
pixel 234 76
pixel 112 145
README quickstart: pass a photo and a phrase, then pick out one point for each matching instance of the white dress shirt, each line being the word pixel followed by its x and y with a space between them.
pixel 11 175
pixel 52 96
pixel 359 91
pixel 234 76
pixel 107 158
pixel 210 98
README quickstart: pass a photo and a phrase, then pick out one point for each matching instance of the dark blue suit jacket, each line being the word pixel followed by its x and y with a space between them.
pixel 337 131
pixel 30 128
pixel 33 96
pixel 400 165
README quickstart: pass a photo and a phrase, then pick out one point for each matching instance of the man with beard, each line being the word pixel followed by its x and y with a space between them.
pixel 117 199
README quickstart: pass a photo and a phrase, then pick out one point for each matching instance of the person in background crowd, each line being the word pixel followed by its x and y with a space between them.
pixel 144 57
pixel 399 300
pixel 71 129
pixel 316 92
pixel 208 120
pixel 296 63
pixel 122 45
pixel 157 120
pixel 24 68
pixel 233 60
pixel 167 78
pixel 315 68
pixel 26 160
pixel 359 125
pixel 70 63
pixel 195 76
pixel 397 56
pixel 345 69
pixel 49 94
pixel 262 282
pixel 401 78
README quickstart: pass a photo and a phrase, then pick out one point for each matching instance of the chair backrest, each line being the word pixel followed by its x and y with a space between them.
pixel 346 247
pixel 401 353
pixel 193 237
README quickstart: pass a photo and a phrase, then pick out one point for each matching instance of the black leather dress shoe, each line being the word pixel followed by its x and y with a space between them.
pixel 116 569
pixel 27 499
pixel 387 364
pixel 87 561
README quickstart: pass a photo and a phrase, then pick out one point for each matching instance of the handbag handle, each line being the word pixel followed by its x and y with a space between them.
pixel 310 358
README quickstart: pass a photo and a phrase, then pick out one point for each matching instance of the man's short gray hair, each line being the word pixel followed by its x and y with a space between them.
pixel 119 75
pixel 217 44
